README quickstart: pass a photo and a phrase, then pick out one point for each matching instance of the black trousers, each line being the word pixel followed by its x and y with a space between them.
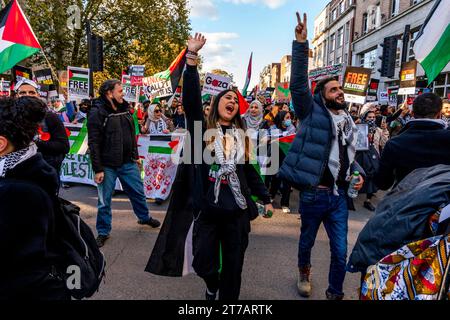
pixel 284 187
pixel 225 236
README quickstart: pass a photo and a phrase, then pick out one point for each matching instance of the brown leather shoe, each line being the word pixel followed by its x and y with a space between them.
pixel 304 281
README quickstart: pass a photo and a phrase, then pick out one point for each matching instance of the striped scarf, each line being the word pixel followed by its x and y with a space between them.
pixel 11 160
pixel 228 166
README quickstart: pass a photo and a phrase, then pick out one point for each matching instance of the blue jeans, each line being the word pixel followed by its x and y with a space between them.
pixel 130 178
pixel 317 206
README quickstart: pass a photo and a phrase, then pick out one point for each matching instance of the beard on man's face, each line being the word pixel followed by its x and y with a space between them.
pixel 333 104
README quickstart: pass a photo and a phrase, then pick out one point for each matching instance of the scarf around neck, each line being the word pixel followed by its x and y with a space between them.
pixel 228 166
pixel 11 160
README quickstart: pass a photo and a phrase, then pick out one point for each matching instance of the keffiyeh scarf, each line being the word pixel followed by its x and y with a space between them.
pixel 11 160
pixel 228 166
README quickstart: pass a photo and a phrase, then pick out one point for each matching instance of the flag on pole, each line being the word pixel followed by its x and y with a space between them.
pixel 175 70
pixel 17 39
pixel 249 75
pixel 78 137
pixel 243 104
pixel 431 46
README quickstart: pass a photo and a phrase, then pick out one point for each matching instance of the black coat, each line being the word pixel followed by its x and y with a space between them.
pixel 420 144
pixel 27 230
pixel 402 217
pixel 109 133
pixel 55 149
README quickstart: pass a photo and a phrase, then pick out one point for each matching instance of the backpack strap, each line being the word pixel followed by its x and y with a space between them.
pixel 111 115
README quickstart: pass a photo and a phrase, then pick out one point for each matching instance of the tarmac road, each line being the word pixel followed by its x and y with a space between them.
pixel 270 268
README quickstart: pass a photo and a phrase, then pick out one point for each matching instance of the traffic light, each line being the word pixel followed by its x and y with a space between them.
pixel 389 56
pixel 96 52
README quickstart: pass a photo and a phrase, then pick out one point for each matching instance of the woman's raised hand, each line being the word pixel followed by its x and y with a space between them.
pixel 196 43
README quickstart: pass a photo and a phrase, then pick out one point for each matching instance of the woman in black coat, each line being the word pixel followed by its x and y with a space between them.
pixel 28 269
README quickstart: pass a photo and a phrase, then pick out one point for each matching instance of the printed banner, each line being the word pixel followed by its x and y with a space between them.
pixel 130 92
pixel 372 92
pixel 408 78
pixel 20 73
pixel 156 88
pixel 136 74
pixel 315 75
pixel 356 82
pixel 282 92
pixel 392 96
pixel 214 84
pixel 78 83
pixel 43 76
pixel 5 88
pixel 383 97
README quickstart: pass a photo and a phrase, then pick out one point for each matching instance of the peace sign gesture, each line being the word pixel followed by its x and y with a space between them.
pixel 301 33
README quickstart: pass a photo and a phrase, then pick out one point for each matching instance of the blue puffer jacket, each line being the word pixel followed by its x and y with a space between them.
pixel 308 156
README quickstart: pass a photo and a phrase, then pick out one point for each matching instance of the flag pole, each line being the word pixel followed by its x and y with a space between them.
pixel 50 65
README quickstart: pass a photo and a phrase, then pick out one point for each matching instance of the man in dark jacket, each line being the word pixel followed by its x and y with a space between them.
pixel 423 142
pixel 52 141
pixel 113 151
pixel 319 163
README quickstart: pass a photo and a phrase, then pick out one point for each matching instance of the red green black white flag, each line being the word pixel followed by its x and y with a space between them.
pixel 17 39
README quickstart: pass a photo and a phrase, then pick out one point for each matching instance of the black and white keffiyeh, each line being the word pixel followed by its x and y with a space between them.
pixel 11 160
pixel 228 165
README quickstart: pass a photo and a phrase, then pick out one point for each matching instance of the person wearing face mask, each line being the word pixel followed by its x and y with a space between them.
pixel 113 151
pixel 319 164
pixel 370 159
pixel 81 115
pixel 214 194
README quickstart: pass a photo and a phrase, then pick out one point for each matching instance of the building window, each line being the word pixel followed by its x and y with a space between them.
pixel 333 15
pixel 369 59
pixel 347 32
pixel 395 7
pixel 350 2
pixel 413 2
pixel 332 43
pixel 361 60
pixel 340 37
pixel 411 55
pixel 441 85
pixel 341 7
pixel 397 57
pixel 346 58
pixel 364 24
pixel 339 59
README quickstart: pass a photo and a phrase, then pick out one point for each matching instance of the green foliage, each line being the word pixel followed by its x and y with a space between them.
pixel 149 32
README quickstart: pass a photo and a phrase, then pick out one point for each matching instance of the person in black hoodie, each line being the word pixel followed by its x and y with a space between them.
pixel 223 186
pixel 113 151
pixel 52 140
pixel 27 184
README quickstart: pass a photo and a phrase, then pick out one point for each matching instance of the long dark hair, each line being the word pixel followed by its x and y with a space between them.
pixel 213 118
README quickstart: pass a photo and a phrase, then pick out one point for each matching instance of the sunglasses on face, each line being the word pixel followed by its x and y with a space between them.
pixel 157 111
pixel 27 93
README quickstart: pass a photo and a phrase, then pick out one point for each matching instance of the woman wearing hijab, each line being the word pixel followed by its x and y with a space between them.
pixel 156 122
pixel 254 115
pixel 370 159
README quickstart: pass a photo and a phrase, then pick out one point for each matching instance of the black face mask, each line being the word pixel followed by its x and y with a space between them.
pixel 84 109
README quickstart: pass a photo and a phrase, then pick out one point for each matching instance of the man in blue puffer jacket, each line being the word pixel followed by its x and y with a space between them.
pixel 319 164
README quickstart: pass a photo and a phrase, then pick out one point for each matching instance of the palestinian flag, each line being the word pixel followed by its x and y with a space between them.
pixel 78 74
pixel 162 144
pixel 243 104
pixel 17 40
pixel 78 137
pixel 285 143
pixel 175 70
pixel 249 75
pixel 431 46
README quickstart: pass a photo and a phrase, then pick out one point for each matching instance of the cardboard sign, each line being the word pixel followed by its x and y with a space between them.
pixel 282 92
pixel 408 78
pixel 137 74
pixel 356 82
pixel 5 88
pixel 392 96
pixel 315 75
pixel 78 83
pixel 372 92
pixel 214 84
pixel 43 76
pixel 157 87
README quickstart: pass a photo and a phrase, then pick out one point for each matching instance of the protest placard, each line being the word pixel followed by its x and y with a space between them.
pixel 5 88
pixel 362 137
pixel 130 92
pixel 315 75
pixel 383 97
pixel 78 83
pixel 214 84
pixel 156 87
pixel 408 78
pixel 282 92
pixel 356 82
pixel 372 92
pixel 20 73
pixel 136 73
pixel 43 76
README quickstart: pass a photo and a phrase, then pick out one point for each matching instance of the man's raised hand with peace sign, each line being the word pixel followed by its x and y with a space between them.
pixel 301 31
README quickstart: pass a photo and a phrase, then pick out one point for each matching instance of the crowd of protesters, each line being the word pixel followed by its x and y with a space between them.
pixel 400 140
